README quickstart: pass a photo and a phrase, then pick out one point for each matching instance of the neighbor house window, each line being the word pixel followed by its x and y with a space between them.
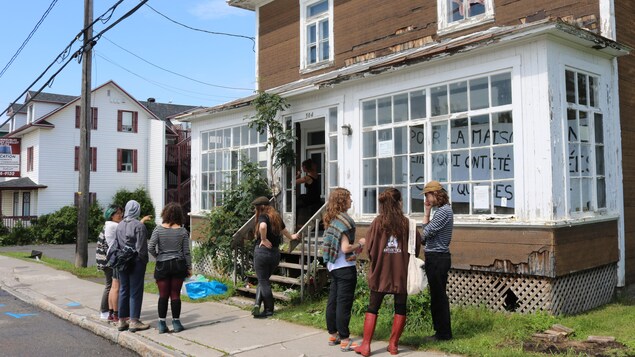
pixel 459 14
pixel 585 139
pixel 26 204
pixel 16 203
pixel 316 32
pixel 221 153
pixel 126 160
pixel 29 158
pixel 127 121
pixel 470 148
pixel 92 158
pixel 93 117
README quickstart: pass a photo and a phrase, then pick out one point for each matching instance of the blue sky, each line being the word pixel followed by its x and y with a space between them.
pixel 124 51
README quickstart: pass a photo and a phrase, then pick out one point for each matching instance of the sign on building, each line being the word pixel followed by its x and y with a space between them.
pixel 10 157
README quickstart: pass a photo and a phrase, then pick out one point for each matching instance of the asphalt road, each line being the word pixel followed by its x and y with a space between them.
pixel 28 331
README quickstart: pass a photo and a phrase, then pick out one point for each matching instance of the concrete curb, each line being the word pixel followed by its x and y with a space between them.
pixel 132 341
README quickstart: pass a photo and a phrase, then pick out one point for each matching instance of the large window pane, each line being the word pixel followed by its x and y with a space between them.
pixel 370 144
pixel 458 134
pixel 480 164
pixel 401 140
pixel 369 113
pixel 418 104
pixel 417 139
pixel 369 200
pixel 384 110
pixel 370 172
pixel 504 197
pixel 503 162
pixel 385 171
pixel 400 112
pixel 479 93
pixel 501 89
pixel 439 100
pixel 480 130
pixel 440 136
pixel 460 165
pixel 460 197
pixel 401 170
pixel 440 166
pixel 458 97
pixel 502 128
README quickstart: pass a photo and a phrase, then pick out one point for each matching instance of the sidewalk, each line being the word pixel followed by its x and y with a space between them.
pixel 212 329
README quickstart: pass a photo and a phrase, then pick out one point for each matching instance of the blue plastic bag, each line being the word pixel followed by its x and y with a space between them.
pixel 200 289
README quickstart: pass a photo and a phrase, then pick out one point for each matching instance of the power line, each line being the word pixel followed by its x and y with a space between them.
pixel 28 37
pixel 162 85
pixel 206 31
pixel 178 74
pixel 77 54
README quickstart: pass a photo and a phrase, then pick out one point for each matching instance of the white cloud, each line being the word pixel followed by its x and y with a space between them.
pixel 215 9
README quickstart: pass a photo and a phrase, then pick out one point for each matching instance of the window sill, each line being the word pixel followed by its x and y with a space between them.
pixel 316 67
pixel 464 24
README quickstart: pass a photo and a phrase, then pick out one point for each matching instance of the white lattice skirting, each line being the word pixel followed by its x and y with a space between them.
pixel 570 294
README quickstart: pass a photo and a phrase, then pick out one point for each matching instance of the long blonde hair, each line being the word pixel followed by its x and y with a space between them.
pixel 338 200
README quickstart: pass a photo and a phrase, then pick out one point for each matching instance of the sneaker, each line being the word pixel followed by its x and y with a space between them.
pixel 137 325
pixel 104 315
pixel 123 325
pixel 178 327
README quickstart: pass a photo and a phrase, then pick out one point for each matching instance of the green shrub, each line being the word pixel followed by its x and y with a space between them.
pixel 60 227
pixel 225 220
pixel 140 195
pixel 19 235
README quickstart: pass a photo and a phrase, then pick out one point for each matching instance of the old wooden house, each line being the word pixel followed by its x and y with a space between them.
pixel 520 108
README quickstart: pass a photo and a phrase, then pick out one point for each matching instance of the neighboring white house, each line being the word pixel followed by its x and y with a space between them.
pixel 127 148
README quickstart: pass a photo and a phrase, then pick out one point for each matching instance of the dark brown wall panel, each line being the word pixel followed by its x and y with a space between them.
pixel 625 29
pixel 373 26
pixel 579 247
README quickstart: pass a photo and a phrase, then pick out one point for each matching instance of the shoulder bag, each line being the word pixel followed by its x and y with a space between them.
pixel 417 280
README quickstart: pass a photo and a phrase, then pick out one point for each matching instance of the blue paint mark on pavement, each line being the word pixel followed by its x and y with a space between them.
pixel 18 316
pixel 73 304
pixel 1 305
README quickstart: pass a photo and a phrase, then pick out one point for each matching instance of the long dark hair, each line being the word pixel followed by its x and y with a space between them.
pixel 391 218
pixel 274 219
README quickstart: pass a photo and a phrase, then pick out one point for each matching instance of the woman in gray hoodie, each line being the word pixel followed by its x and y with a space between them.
pixel 132 233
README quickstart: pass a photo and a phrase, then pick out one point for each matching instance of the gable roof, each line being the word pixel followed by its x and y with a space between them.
pixel 50 97
pixel 165 111
pixel 430 51
pixel 20 183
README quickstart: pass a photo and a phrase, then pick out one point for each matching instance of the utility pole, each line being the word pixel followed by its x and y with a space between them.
pixel 81 248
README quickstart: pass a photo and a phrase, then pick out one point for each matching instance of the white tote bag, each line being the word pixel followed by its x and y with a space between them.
pixel 417 280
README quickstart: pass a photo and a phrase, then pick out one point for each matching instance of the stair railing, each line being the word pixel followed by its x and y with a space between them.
pixel 310 230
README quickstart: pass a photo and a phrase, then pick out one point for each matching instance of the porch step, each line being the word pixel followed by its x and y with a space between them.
pixel 276 295
pixel 280 279
pixel 293 266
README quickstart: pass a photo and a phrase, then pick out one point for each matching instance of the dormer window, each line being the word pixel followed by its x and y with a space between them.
pixel 30 114
pixel 456 15
pixel 316 30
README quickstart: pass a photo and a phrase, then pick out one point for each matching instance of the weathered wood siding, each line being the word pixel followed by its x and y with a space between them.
pixel 369 28
pixel 625 28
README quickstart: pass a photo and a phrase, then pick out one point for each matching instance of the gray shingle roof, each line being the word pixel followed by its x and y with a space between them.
pixel 21 183
pixel 51 97
pixel 166 110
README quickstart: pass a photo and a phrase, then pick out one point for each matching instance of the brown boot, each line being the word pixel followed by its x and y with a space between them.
pixel 398 323
pixel 369 329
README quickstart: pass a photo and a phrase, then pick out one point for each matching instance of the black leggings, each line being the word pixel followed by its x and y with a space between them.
pixel 376 298
pixel 169 288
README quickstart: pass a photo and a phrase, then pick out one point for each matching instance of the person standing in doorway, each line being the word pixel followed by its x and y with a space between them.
pixel 269 230
pixel 170 245
pixel 437 234
pixel 340 251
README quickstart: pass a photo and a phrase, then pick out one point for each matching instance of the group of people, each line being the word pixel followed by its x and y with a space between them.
pixel 125 237
pixel 387 242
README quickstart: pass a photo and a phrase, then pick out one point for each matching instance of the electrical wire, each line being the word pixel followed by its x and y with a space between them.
pixel 28 38
pixel 178 74
pixel 206 31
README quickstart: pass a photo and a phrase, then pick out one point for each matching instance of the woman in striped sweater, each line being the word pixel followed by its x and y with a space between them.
pixel 437 234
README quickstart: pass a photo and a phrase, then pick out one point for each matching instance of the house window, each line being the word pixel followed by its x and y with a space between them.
pixel 127 121
pixel 93 117
pixel 460 14
pixel 92 158
pixel 316 30
pixel 16 204
pixel 469 148
pixel 585 140
pixel 221 153
pixel 30 114
pixel 26 204
pixel 29 158
pixel 126 160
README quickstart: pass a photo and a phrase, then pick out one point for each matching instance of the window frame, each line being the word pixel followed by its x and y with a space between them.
pixel 29 159
pixel 94 114
pixel 120 163
pixel 592 108
pixel 134 127
pixel 92 158
pixel 305 22
pixel 444 25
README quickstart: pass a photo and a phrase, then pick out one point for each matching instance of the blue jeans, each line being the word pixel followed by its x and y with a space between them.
pixel 340 303
pixel 131 290
pixel 265 263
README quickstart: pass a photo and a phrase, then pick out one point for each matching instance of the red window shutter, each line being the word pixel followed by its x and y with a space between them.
pixel 119 114
pixel 119 155
pixel 76 199
pixel 134 160
pixel 93 159
pixel 94 119
pixel 76 158
pixel 135 116
pixel 78 111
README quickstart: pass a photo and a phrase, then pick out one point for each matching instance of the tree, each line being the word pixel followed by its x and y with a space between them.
pixel 279 141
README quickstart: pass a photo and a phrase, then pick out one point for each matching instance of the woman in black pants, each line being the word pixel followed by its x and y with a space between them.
pixel 269 230
pixel 437 234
